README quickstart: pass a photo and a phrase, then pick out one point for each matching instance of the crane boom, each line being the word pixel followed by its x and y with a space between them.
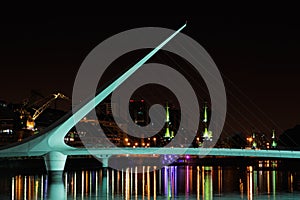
pixel 47 104
pixel 30 121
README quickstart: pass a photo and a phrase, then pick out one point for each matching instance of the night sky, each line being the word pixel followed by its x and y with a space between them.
pixel 258 59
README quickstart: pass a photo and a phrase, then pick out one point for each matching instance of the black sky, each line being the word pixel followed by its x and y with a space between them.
pixel 258 59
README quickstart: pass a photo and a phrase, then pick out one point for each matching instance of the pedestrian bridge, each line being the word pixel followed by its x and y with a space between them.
pixel 50 143
pixel 55 160
pixel 261 153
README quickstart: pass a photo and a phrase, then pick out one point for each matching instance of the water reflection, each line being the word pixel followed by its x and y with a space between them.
pixel 172 182
pixel 261 182
pixel 29 187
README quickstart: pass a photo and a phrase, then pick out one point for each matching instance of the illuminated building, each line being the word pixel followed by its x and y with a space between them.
pixel 7 124
pixel 139 111
pixel 167 132
pixel 254 143
pixel 207 135
pixel 274 140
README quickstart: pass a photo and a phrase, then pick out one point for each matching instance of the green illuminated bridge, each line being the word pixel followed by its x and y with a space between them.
pixel 50 144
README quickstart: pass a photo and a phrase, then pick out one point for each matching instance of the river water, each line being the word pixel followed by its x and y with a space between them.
pixel 171 182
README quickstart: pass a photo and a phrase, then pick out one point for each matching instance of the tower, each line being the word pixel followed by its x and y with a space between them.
pixel 167 133
pixel 254 144
pixel 274 142
pixel 207 135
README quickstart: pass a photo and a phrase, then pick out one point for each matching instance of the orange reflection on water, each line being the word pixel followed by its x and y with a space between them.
pixel 169 182
pixel 27 187
pixel 127 185
pixel 198 182
pixel 249 182
pixel 220 180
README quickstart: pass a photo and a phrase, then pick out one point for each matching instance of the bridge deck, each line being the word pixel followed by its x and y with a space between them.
pixel 162 151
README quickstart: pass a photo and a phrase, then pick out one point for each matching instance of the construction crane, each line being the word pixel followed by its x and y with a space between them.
pixel 30 123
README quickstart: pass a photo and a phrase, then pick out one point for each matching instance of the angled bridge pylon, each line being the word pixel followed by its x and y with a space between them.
pixel 50 143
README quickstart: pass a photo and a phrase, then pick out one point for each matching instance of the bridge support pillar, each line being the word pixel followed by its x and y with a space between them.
pixel 104 159
pixel 55 161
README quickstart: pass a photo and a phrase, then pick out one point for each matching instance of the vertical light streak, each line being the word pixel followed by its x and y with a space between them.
pixel 268 182
pixel 29 188
pixel 148 182
pixel 13 188
pixel 96 184
pixel 143 182
pixel 75 185
pixel 118 181
pixel 255 182
pixel 154 183
pixel 174 169
pixel 274 172
pixel 203 183
pixel 208 184
pixel 136 183
pixel 131 181
pixel 86 182
pixel 90 183
pixel 42 187
pixel 112 183
pixel 191 179
pixel 249 183
pixel 66 183
pixel 82 183
pixel 127 185
pixel 107 183
pixel 159 180
pixel 198 183
pixel 25 188
pixel 220 180
pixel 187 181
pixel 169 183
pixel 122 183
pixel 291 182
pixel 166 180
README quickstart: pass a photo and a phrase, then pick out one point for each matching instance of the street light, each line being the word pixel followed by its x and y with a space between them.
pixel 154 140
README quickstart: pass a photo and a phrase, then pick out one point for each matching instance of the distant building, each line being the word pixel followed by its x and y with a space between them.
pixel 261 141
pixel 7 124
pixel 138 110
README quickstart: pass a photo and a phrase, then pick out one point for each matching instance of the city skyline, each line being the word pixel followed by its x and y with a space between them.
pixel 257 60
